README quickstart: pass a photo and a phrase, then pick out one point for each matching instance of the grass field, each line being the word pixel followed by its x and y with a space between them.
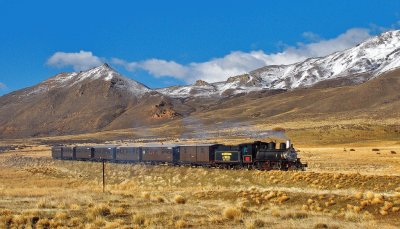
pixel 346 186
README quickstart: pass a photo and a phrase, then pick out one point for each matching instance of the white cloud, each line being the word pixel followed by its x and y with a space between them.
pixel 219 69
pixel 3 86
pixel 238 62
pixel 80 61
pixel 155 67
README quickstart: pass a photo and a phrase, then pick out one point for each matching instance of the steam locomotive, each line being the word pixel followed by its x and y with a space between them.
pixel 255 155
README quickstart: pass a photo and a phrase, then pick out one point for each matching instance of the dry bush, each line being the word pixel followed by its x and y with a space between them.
pixel 181 223
pixel 74 207
pixel 119 211
pixel 231 213
pixel 320 226
pixel 112 225
pixel 393 152
pixel 75 221
pixel 99 210
pixel 61 215
pixel 20 220
pixel 294 215
pixel 99 221
pixel 370 195
pixel 5 212
pixel 375 149
pixel 43 203
pixel 5 221
pixel 146 195
pixel 257 223
pixel 139 219
pixel 43 223
pixel 352 150
pixel 179 199
pixel 159 199
pixel 283 198
pixel 359 195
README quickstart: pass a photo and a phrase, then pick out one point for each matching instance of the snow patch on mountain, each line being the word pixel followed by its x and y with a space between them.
pixel 358 64
pixel 103 72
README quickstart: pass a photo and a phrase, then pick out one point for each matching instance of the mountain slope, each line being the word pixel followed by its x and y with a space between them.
pixel 352 66
pixel 74 102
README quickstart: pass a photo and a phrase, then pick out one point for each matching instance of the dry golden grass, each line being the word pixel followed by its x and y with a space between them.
pixel 341 189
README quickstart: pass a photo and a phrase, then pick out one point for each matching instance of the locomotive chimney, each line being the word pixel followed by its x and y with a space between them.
pixel 288 143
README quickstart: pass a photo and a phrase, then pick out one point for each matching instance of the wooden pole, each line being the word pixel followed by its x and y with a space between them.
pixel 104 178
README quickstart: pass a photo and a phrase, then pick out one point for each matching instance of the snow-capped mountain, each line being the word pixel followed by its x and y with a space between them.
pixel 356 65
pixel 103 73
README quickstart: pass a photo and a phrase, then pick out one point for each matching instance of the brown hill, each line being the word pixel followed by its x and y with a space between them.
pixel 378 98
pixel 107 101
pixel 81 102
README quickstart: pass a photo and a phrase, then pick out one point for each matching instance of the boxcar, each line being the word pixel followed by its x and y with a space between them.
pixel 227 154
pixel 56 152
pixel 104 152
pixel 68 153
pixel 84 152
pixel 160 154
pixel 129 154
pixel 197 154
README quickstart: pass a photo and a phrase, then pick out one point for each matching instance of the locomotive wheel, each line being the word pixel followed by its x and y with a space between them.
pixel 292 168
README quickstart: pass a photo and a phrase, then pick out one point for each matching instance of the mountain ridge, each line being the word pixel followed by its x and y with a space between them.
pixel 358 64
pixel 103 99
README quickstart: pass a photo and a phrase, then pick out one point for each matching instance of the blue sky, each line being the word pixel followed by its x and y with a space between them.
pixel 163 43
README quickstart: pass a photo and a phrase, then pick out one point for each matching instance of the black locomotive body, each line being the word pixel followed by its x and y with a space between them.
pixel 254 155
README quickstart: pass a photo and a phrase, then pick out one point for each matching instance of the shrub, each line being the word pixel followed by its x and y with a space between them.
pixel 231 213
pixel 257 223
pixel 375 149
pixel 43 223
pixel 74 207
pixel 160 199
pixel 98 210
pixel 320 226
pixel 139 219
pixel 180 223
pixel 179 199
pixel 119 211
pixel 61 215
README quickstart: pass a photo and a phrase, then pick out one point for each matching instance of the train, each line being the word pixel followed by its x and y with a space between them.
pixel 254 155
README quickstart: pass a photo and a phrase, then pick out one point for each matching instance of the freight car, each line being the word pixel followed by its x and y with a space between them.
pixel 253 155
pixel 198 155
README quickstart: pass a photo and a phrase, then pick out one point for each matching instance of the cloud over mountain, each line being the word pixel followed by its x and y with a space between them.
pixel 80 61
pixel 220 68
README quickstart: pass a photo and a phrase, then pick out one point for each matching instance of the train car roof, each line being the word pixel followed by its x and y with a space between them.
pixel 105 146
pixel 200 144
pixel 159 145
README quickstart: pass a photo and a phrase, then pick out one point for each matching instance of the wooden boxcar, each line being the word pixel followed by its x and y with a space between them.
pixel 104 152
pixel 160 154
pixel 56 152
pixel 68 152
pixel 128 154
pixel 84 152
pixel 197 154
